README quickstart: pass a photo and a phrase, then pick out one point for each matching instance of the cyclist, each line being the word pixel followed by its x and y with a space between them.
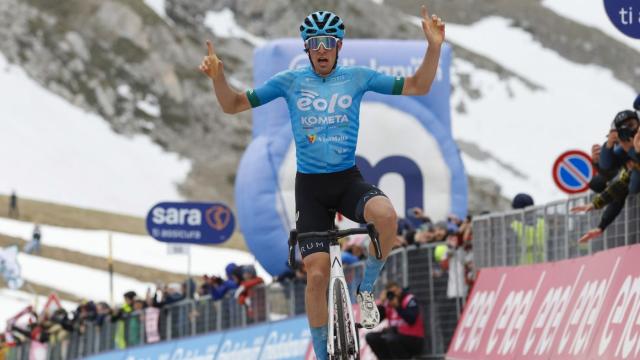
pixel 327 177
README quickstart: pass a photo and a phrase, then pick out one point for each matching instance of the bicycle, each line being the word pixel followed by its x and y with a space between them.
pixel 343 341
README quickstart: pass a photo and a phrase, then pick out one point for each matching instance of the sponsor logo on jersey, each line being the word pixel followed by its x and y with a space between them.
pixel 313 138
pixel 309 122
pixel 312 100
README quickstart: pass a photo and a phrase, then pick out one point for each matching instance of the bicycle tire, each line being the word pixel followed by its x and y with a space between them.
pixel 340 325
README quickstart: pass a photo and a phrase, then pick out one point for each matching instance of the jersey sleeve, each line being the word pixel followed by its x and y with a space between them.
pixel 383 84
pixel 272 89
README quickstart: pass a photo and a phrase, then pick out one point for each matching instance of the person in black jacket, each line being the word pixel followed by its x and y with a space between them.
pixel 404 337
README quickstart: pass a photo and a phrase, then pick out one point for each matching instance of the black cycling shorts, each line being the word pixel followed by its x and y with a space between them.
pixel 319 196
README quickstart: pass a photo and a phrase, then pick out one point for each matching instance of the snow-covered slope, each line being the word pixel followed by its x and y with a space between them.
pixel 55 151
pixel 87 283
pixel 524 127
pixel 134 249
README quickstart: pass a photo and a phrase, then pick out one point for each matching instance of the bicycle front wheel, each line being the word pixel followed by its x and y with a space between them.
pixel 344 342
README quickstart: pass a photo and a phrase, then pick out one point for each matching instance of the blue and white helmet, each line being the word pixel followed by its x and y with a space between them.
pixel 322 23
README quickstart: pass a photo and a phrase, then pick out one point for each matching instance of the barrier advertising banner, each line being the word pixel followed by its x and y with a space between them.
pixel 287 339
pixel 584 308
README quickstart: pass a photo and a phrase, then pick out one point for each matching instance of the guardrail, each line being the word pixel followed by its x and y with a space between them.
pixel 412 267
pixel 550 232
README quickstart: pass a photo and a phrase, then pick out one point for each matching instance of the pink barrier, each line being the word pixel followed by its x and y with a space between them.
pixel 584 308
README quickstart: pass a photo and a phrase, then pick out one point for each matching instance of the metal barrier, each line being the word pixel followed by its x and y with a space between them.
pixel 549 233
pixel 413 267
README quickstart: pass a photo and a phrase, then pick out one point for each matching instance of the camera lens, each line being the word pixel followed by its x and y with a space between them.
pixel 390 295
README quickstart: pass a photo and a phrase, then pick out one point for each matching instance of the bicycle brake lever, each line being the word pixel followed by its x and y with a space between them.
pixel 293 239
pixel 373 234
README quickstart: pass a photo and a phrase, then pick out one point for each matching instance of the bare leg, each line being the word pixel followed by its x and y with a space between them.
pixel 317 266
pixel 381 213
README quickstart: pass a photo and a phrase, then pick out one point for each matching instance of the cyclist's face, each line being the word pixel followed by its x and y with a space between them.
pixel 324 59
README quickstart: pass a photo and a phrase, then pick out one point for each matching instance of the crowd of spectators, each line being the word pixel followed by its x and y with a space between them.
pixel 618 163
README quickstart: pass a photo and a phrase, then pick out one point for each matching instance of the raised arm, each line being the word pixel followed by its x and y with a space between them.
pixel 420 82
pixel 231 101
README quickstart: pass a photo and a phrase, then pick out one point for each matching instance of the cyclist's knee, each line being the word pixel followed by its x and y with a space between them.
pixel 384 217
pixel 380 211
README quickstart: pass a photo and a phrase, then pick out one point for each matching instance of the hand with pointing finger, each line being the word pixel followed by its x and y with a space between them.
pixel 211 65
pixel 433 27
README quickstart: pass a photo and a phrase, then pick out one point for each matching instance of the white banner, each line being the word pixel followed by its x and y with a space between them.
pixel 9 267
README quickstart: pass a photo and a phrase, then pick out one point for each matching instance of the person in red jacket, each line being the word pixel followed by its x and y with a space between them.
pixel 250 279
pixel 404 338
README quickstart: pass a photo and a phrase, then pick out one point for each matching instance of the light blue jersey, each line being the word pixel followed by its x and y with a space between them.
pixel 325 112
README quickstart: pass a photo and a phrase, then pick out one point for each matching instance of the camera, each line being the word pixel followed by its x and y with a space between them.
pixel 624 127
pixel 626 134
pixel 391 295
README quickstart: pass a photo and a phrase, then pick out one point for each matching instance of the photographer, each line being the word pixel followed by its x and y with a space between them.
pixel 620 151
pixel 220 287
pixel 404 337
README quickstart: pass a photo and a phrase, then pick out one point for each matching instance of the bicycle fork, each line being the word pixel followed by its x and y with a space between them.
pixel 337 279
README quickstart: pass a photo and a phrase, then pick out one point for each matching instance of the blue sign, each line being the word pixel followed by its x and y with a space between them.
pixel 625 16
pixel 407 137
pixel 572 171
pixel 193 223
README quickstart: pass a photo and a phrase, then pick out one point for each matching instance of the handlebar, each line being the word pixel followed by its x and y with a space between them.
pixel 332 235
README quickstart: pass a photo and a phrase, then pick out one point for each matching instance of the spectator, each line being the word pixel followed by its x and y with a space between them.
pixel 59 326
pixel 33 246
pixel 189 288
pixel 613 197
pixel 521 201
pixel 127 308
pixel 418 216
pixel 455 261
pixel 530 235
pixel 4 348
pixel 121 317
pixel 353 250
pixel 298 273
pixel 207 285
pixel 172 294
pixel 619 148
pixel 220 288
pixel 424 235
pixel 13 205
pixel 619 154
pixel 441 231
pixel 250 280
pixel 103 310
pixel 404 338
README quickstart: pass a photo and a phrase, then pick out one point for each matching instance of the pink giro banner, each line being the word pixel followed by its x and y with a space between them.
pixel 584 308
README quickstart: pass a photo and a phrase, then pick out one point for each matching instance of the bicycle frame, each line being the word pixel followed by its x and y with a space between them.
pixel 337 279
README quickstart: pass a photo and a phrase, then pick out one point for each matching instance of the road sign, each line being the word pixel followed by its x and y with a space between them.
pixel 572 171
pixel 194 223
